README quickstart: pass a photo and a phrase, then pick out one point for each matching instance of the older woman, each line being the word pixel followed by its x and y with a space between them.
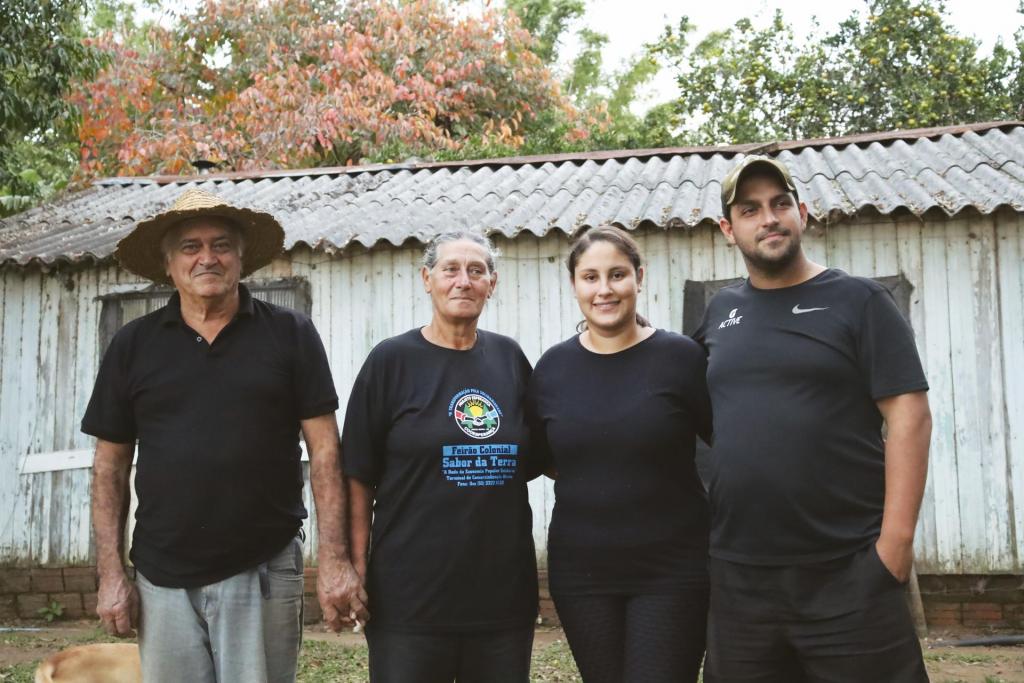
pixel 435 443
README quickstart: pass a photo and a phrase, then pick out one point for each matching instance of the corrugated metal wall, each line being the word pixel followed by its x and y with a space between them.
pixel 967 309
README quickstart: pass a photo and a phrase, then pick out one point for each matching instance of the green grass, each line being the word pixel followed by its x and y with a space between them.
pixel 958 657
pixel 319 662
pixel 554 663
pixel 43 644
pixel 331 662
pixel 18 673
pixel 324 662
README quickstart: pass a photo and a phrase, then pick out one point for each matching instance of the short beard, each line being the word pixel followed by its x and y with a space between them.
pixel 776 264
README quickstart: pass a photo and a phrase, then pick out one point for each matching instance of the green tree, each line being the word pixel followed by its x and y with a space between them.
pixel 547 21
pixel 900 65
pixel 604 100
pixel 41 54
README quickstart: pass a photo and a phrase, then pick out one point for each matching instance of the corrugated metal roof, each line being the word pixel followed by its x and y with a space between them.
pixel 980 166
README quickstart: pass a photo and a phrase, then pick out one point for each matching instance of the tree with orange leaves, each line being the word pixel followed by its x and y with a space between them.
pixel 295 83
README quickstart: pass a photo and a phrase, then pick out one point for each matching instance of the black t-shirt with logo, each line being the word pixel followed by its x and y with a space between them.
pixel 441 436
pixel 798 464
pixel 631 514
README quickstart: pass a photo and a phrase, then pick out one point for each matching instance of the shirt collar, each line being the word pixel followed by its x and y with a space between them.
pixel 172 311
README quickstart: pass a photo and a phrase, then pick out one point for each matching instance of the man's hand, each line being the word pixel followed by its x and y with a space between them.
pixel 341 592
pixel 118 605
pixel 338 585
pixel 897 556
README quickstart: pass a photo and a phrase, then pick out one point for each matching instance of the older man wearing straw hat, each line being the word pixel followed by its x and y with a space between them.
pixel 215 388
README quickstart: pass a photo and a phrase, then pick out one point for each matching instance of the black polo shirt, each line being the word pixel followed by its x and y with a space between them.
pixel 218 477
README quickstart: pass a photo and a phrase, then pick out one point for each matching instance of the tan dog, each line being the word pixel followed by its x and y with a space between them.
pixel 101 663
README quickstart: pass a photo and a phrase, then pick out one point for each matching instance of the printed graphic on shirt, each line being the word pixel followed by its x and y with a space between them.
pixel 733 319
pixel 490 464
pixel 476 413
pixel 479 417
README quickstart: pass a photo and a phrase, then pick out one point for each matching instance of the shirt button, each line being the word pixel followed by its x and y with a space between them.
pixel 199 338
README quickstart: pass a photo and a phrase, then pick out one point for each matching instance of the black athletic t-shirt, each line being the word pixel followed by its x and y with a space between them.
pixel 441 435
pixel 798 464
pixel 630 515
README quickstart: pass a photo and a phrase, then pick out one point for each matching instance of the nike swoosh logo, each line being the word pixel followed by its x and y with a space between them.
pixel 797 310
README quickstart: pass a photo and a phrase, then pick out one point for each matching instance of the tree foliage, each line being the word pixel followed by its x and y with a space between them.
pixel 257 84
pixel 287 83
pixel 604 99
pixel 547 21
pixel 900 65
pixel 40 54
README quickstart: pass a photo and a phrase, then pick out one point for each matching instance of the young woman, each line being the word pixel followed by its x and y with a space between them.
pixel 435 445
pixel 617 408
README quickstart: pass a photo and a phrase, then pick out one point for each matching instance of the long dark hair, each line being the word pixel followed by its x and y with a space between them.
pixel 618 238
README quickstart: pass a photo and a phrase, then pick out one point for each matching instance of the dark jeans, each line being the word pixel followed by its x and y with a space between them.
pixel 636 638
pixel 484 657
pixel 842 620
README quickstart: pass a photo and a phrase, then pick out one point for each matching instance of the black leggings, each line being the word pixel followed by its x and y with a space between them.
pixel 478 657
pixel 634 638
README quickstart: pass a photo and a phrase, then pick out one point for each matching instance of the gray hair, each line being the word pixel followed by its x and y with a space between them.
pixel 434 245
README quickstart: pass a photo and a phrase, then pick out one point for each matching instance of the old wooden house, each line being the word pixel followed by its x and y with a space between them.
pixel 938 214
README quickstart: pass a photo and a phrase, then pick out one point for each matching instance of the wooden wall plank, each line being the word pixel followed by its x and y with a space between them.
pixel 1009 235
pixel 47 381
pixel 884 249
pixel 86 350
pixel 723 253
pixel 837 247
pixel 406 290
pixel 935 298
pixel 527 299
pixel 858 255
pixel 28 406
pixel 504 314
pixel 987 376
pixel 967 400
pixel 337 275
pixel 666 306
pixel 702 245
pixel 12 515
pixel 81 550
pixel 65 421
pixel 908 249
pixel 381 299
pixel 815 242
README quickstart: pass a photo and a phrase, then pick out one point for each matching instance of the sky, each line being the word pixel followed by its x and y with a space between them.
pixel 630 23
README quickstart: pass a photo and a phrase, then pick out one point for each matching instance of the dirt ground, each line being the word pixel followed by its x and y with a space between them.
pixel 945 664
pixel 18 646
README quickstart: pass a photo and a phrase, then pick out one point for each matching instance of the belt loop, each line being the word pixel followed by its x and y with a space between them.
pixel 264 581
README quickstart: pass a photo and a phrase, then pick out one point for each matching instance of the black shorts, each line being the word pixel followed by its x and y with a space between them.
pixel 841 620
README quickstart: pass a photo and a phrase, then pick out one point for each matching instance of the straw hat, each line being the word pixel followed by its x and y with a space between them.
pixel 139 251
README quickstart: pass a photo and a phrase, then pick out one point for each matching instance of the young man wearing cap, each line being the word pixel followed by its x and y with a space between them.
pixel 215 387
pixel 813 511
